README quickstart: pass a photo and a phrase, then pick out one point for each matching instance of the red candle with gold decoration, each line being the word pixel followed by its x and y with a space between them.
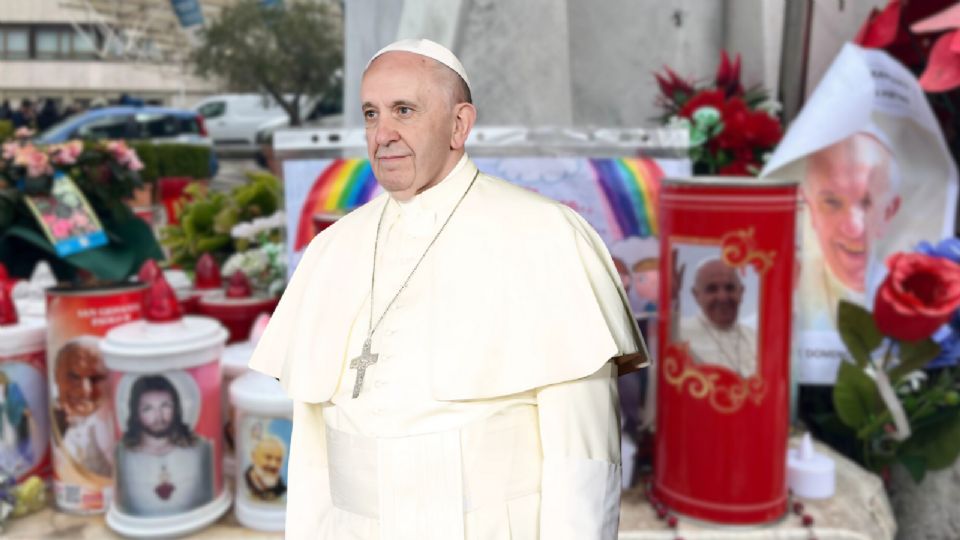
pixel 723 378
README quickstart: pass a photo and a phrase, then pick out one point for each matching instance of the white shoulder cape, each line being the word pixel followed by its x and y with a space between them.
pixel 532 298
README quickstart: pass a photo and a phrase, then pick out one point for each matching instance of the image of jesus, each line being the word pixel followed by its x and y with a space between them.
pixel 165 468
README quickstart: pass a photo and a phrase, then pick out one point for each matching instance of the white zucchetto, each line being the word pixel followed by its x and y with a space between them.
pixel 430 49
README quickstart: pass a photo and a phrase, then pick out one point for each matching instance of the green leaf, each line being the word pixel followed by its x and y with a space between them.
pixel 189 229
pixel 213 243
pixel 938 442
pixel 915 465
pixel 854 396
pixel 858 331
pixel 203 214
pixel 226 219
pixel 914 355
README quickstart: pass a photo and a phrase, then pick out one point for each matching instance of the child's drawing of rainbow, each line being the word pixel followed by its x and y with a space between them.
pixel 344 185
pixel 629 188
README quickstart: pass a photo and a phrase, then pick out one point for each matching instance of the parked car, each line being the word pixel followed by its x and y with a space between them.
pixel 233 119
pixel 158 124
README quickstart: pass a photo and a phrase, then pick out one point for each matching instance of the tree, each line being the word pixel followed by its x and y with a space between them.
pixel 286 51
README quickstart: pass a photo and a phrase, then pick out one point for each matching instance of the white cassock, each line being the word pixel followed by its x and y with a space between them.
pixel 492 410
pixel 735 348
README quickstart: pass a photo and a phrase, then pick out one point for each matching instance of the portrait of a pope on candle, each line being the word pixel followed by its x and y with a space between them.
pixel 452 346
pixel 715 334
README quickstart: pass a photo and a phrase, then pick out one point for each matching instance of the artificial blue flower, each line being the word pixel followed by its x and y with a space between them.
pixel 948 336
pixel 948 248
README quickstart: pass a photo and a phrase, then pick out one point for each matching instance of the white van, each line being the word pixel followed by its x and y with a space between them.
pixel 232 120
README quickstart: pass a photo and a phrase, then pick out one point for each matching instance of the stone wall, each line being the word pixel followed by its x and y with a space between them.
pixel 590 63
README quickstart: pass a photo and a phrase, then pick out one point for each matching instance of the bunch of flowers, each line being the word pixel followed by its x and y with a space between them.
pixel 732 130
pixel 924 36
pixel 263 260
pixel 208 220
pixel 898 412
pixel 106 172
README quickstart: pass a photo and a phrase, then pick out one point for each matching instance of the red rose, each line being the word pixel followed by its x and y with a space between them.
pixel 705 98
pixel 762 130
pixel 735 115
pixel 917 297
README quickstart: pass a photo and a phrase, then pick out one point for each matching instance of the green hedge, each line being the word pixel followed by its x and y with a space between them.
pixel 6 129
pixel 167 160
pixel 148 156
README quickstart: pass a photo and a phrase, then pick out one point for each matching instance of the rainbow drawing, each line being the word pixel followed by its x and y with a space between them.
pixel 344 185
pixel 630 189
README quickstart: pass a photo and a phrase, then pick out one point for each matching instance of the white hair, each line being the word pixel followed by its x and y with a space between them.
pixel 893 168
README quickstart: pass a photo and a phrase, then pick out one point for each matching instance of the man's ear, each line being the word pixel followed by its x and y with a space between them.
pixel 464 116
pixel 892 208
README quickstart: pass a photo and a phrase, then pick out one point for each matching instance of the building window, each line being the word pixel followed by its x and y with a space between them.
pixel 85 44
pixel 14 43
pixel 48 42
pixel 64 43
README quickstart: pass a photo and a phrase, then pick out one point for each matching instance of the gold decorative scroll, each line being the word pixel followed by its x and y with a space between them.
pixel 738 248
pixel 699 383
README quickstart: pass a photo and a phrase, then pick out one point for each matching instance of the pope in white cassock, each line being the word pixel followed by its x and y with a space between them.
pixel 715 334
pixel 451 347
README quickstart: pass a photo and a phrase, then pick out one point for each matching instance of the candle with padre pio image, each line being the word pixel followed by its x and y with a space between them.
pixel 264 422
pixel 164 376
pixel 80 410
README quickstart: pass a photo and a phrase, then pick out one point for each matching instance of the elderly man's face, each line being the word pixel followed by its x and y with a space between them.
pixel 847 190
pixel 718 291
pixel 267 460
pixel 409 119
pixel 81 381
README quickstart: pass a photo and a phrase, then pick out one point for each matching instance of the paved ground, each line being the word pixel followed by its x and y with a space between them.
pixel 232 171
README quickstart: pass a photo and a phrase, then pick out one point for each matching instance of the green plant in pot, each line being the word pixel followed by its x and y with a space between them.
pixel 206 219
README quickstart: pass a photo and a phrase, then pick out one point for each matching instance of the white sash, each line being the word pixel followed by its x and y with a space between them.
pixel 420 486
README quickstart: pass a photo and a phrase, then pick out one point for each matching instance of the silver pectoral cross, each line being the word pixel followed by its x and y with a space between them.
pixel 361 363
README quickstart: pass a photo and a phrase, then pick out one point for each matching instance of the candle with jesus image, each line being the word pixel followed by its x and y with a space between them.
pixel 165 388
pixel 165 465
